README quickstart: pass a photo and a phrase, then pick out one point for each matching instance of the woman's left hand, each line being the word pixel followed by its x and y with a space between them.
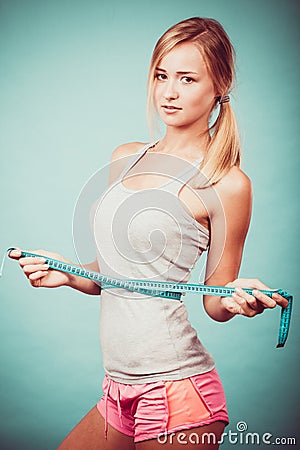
pixel 250 305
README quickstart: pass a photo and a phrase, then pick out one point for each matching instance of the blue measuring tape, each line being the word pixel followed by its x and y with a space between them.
pixel 166 289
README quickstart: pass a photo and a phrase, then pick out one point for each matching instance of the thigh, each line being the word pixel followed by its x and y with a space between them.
pixel 205 437
pixel 89 434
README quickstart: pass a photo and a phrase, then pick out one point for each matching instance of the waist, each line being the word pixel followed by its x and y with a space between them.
pixel 147 338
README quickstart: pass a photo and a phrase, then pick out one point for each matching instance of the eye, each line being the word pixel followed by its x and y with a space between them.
pixel 187 80
pixel 161 76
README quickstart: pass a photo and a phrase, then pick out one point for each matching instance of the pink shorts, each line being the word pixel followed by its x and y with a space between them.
pixel 146 411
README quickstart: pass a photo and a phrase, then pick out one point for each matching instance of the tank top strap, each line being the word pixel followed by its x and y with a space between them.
pixel 178 181
pixel 136 157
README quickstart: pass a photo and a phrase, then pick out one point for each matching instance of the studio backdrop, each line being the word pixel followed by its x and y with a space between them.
pixel 72 88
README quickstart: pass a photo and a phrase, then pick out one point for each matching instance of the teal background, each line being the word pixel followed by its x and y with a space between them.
pixel 72 88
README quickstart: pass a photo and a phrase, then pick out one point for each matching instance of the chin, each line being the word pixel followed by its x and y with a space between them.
pixel 173 122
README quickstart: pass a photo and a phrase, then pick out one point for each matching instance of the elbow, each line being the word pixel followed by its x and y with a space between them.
pixel 216 310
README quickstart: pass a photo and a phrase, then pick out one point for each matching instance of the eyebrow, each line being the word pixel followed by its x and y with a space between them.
pixel 179 72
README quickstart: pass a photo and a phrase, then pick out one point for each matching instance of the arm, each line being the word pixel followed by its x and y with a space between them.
pixel 84 285
pixel 39 275
pixel 229 226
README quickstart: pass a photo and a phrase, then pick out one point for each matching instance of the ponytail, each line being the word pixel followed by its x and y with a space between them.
pixel 224 148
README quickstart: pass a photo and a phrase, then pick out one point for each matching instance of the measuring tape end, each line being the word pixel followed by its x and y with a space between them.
pixel 3 259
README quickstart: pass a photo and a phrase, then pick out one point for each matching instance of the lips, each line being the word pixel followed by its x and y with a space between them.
pixel 170 107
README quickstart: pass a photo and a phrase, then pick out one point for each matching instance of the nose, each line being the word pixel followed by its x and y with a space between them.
pixel 171 92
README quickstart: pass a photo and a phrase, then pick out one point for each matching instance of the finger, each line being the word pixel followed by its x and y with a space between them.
pixel 280 300
pixel 264 299
pixel 15 254
pixel 28 269
pixel 260 307
pixel 37 275
pixel 250 299
pixel 245 309
pixel 31 260
pixel 231 305
pixel 36 283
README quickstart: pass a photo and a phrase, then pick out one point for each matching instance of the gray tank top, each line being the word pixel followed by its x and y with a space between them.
pixel 148 234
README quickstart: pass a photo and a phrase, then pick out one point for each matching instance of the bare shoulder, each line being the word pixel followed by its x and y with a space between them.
pixel 235 183
pixel 126 150
pixel 121 158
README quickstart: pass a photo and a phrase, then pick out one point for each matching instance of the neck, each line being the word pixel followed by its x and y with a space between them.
pixel 184 143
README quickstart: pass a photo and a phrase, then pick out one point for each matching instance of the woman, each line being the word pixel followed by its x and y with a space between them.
pixel 153 222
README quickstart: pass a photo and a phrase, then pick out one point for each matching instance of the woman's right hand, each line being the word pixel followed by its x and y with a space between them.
pixel 37 272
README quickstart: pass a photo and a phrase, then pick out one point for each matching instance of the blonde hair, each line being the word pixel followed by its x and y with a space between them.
pixel 208 35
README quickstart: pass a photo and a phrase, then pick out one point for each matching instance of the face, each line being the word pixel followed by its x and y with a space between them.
pixel 183 90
